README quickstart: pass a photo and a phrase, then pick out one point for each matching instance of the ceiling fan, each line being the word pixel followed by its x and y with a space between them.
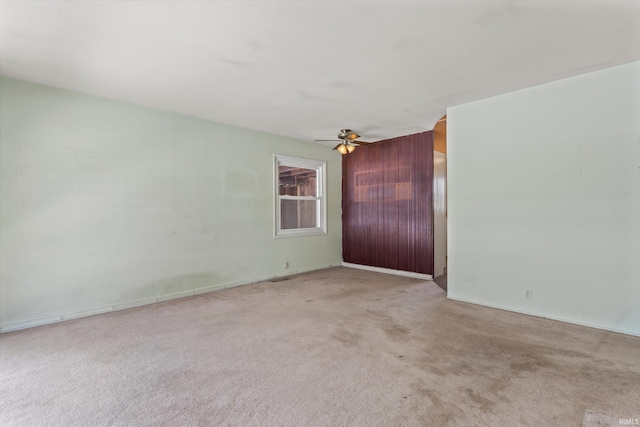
pixel 347 141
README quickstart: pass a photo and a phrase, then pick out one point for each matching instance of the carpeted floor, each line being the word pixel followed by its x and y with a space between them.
pixel 332 347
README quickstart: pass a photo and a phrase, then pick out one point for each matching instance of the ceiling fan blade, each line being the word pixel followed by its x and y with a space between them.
pixel 363 143
pixel 325 140
pixel 352 135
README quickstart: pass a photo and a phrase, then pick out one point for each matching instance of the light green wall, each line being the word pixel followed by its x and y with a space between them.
pixel 544 195
pixel 106 205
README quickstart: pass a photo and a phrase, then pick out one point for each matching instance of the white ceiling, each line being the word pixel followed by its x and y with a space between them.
pixel 306 69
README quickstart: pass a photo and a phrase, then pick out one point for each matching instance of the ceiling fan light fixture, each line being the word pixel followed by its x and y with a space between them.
pixel 347 143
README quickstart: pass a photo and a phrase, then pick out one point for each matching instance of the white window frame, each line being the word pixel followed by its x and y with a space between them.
pixel 321 205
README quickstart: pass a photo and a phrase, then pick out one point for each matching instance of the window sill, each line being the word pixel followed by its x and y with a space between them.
pixel 299 232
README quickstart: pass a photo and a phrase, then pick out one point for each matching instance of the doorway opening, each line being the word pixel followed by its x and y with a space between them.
pixel 440 202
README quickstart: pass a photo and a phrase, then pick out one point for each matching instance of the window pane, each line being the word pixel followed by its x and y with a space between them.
pixel 298 214
pixel 294 181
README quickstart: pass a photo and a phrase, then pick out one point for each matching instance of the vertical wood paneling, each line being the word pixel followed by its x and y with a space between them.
pixel 387 204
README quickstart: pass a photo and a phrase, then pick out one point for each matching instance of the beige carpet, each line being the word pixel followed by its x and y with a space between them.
pixel 333 347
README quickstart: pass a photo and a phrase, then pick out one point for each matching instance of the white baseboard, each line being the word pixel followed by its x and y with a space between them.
pixel 389 271
pixel 559 319
pixel 31 323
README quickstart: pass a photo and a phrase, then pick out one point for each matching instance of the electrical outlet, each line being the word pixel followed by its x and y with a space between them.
pixel 285 264
pixel 528 295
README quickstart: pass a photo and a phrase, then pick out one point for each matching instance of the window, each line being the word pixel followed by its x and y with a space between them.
pixel 300 202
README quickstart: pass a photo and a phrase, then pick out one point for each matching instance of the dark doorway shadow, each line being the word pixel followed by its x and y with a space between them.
pixel 441 281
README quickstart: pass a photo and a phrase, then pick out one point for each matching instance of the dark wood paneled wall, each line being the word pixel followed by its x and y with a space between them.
pixel 387 204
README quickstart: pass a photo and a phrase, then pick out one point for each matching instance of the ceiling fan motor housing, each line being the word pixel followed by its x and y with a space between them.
pixel 347 134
